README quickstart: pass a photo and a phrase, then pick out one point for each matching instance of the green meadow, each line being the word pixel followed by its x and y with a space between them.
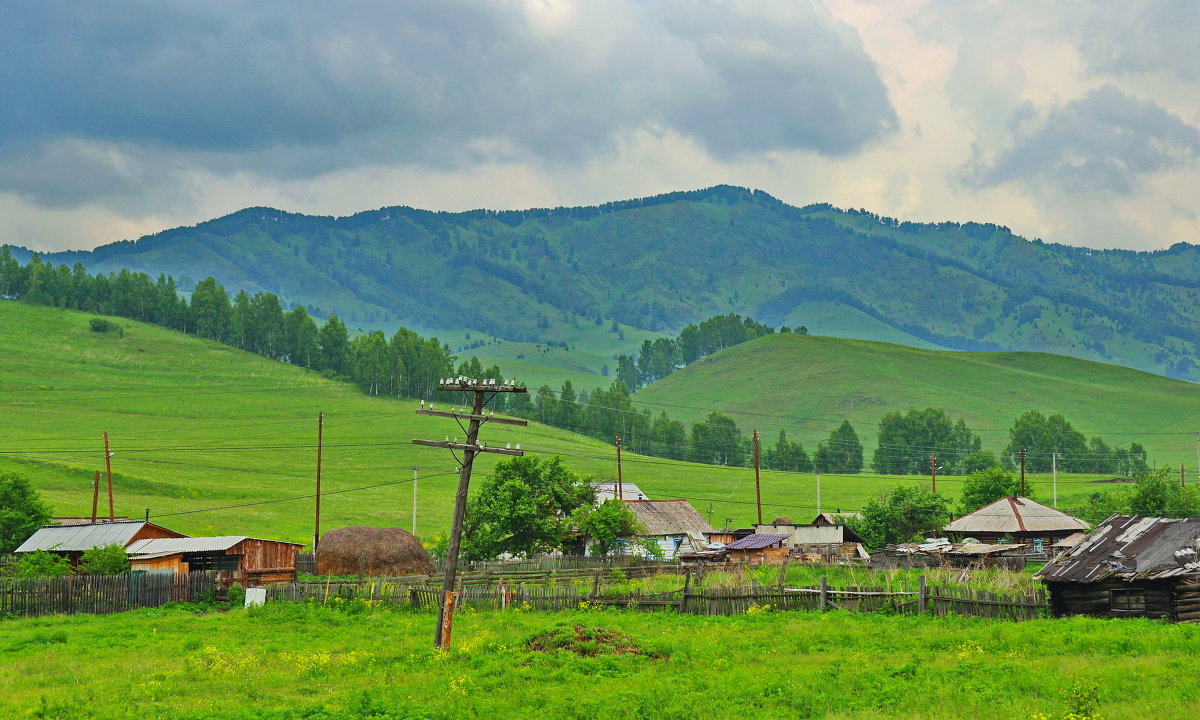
pixel 213 440
pixel 348 660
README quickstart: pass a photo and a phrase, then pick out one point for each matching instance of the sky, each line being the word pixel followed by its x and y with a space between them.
pixel 1074 121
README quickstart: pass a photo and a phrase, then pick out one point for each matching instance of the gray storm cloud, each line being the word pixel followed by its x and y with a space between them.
pixel 1102 142
pixel 120 98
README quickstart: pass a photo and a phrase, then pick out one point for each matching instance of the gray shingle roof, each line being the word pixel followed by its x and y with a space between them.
pixel 668 517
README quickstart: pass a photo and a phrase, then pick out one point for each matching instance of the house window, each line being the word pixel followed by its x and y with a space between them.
pixel 1127 600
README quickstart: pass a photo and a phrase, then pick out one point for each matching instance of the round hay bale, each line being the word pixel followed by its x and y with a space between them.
pixel 378 551
pixel 782 520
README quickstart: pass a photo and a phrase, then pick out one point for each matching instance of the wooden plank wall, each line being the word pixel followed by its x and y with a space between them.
pixel 98 593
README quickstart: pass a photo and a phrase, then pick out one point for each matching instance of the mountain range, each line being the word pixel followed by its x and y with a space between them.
pixel 653 265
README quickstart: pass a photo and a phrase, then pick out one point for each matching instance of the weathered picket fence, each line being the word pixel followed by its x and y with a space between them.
pixel 99 593
pixel 510 593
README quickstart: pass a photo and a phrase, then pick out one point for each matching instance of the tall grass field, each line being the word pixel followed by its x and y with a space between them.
pixel 353 661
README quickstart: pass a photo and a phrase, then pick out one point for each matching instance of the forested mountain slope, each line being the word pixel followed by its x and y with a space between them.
pixel 658 263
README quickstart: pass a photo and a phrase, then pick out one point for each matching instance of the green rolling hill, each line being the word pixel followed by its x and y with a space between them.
pixel 562 276
pixel 807 385
pixel 214 440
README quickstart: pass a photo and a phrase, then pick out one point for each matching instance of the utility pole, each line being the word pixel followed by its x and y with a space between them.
pixel 1198 454
pixel 757 485
pixel 1022 471
pixel 933 470
pixel 818 492
pixel 317 509
pixel 619 490
pixel 95 495
pixel 415 469
pixel 1054 470
pixel 484 390
pixel 112 516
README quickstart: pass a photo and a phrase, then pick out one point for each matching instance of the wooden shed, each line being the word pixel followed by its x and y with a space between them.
pixel 1016 519
pixel 245 560
pixel 1130 566
pixel 72 540
pixel 766 549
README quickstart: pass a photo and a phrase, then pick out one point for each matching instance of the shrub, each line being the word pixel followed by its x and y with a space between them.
pixel 101 325
pixel 104 560
pixel 39 563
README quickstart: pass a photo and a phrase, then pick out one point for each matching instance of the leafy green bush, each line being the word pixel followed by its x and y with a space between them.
pixel 101 325
pixel 104 560
pixel 39 563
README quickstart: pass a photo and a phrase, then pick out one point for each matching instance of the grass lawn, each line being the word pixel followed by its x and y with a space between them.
pixel 351 661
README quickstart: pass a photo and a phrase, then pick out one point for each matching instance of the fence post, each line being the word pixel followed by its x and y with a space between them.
pixel 824 591
pixel 782 575
pixel 922 595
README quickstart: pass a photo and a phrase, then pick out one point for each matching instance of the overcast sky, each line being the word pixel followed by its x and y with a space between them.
pixel 1077 122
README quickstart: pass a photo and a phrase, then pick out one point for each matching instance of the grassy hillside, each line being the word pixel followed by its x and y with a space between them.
pixel 807 385
pixel 195 425
pixel 545 276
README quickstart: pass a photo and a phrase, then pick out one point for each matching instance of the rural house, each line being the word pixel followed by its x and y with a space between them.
pixel 72 540
pixel 674 525
pixel 1130 566
pixel 1016 519
pixel 236 558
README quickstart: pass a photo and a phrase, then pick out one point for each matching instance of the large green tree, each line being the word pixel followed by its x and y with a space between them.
pixel 907 442
pixel 523 508
pixel 22 511
pixel 841 453
pixel 608 525
pixel 904 514
pixel 988 486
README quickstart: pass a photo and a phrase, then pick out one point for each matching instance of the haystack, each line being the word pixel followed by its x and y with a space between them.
pixel 378 551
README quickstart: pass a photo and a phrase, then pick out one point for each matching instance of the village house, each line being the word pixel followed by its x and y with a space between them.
pixel 236 558
pixel 673 525
pixel 71 541
pixel 1017 520
pixel 1130 566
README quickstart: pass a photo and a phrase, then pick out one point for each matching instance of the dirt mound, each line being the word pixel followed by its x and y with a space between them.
pixel 587 641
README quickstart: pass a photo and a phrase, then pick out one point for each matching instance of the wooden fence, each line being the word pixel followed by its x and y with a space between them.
pixel 99 593
pixel 502 593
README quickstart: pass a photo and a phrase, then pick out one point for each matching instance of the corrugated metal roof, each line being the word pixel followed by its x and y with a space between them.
pixel 77 538
pixel 1016 515
pixel 176 545
pixel 607 491
pixel 756 542
pixel 1131 548
pixel 668 517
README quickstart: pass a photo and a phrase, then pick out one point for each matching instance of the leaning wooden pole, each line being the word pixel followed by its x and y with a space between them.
pixel 95 496
pixel 112 516
pixel 757 485
pixel 317 508
pixel 470 449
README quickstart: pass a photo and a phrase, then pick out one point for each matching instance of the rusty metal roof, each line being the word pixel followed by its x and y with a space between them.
pixel 170 546
pixel 1016 515
pixel 756 542
pixel 1131 548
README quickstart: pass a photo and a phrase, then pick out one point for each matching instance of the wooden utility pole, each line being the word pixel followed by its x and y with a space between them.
pixel 415 469
pixel 112 516
pixel 1054 476
pixel 933 470
pixel 620 488
pixel 1022 471
pixel 317 508
pixel 757 486
pixel 484 390
pixel 95 496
